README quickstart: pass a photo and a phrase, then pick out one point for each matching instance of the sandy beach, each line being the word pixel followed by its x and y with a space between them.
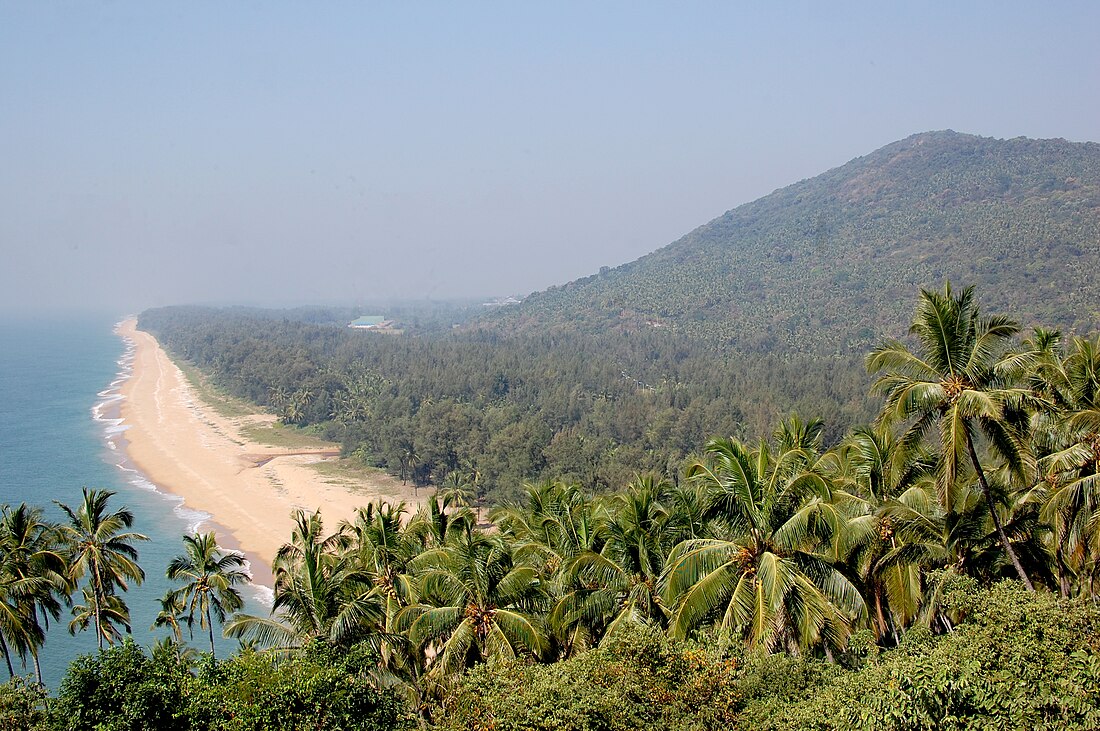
pixel 187 448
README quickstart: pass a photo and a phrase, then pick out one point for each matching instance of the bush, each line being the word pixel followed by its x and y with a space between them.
pixel 1014 661
pixel 22 706
pixel 636 680
pixel 320 689
pixel 121 689
pixel 1018 661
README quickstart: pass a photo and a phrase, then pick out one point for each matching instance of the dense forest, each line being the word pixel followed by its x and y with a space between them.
pixel 936 568
pixel 595 408
pixel 829 265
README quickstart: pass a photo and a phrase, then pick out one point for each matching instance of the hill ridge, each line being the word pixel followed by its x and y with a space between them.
pixel 831 263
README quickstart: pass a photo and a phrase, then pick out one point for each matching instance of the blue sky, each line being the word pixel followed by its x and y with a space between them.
pixel 284 153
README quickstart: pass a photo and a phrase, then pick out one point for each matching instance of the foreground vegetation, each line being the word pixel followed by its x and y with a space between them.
pixel 937 569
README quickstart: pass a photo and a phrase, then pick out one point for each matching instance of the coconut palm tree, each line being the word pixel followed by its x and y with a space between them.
pixel 958 385
pixel 106 614
pixel 617 586
pixel 99 547
pixel 773 578
pixel 873 481
pixel 18 630
pixel 552 524
pixel 473 477
pixel 320 594
pixel 434 525
pixel 32 556
pixel 1066 439
pixel 211 577
pixel 475 603
pixel 456 491
pixel 173 612
pixel 382 547
pixel 407 461
pixel 549 529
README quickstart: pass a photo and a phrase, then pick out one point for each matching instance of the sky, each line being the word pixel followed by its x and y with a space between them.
pixel 281 154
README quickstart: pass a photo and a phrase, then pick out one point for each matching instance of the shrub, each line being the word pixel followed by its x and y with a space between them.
pixel 638 679
pixel 22 706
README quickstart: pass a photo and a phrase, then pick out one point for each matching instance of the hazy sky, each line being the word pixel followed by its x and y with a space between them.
pixel 278 153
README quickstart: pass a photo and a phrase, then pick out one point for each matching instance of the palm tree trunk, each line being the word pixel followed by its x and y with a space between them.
pixel 7 655
pixel 210 631
pixel 34 650
pixel 878 610
pixel 96 609
pixel 993 513
pixel 1060 564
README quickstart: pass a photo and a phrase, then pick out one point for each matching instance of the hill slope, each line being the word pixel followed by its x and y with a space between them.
pixel 833 264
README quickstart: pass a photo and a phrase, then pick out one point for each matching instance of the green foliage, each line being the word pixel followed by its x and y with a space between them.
pixel 121 689
pixel 640 680
pixel 318 689
pixel 22 706
pixel 1017 661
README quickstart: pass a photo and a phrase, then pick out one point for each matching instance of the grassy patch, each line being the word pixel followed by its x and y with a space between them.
pixel 280 435
pixel 352 469
pixel 226 405
pixel 351 473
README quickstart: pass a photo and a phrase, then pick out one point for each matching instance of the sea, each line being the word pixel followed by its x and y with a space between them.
pixel 60 431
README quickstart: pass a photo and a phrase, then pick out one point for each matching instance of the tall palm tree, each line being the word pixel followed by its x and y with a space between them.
pixel 18 631
pixel 211 577
pixel 773 580
pixel 100 547
pixel 106 614
pixel 617 586
pixel 958 384
pixel 456 490
pixel 549 529
pixel 475 603
pixel 1066 439
pixel 873 481
pixel 435 525
pixel 32 556
pixel 552 524
pixel 407 461
pixel 475 480
pixel 382 548
pixel 173 612
pixel 320 594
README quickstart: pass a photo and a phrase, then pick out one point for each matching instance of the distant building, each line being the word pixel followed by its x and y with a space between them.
pixel 371 322
pixel 501 302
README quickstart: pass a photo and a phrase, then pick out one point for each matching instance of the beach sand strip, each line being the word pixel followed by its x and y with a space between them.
pixel 186 448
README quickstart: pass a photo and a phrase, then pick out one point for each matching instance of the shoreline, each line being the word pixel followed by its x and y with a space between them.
pixel 242 489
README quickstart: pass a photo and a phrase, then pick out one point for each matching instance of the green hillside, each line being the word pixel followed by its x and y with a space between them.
pixel 832 264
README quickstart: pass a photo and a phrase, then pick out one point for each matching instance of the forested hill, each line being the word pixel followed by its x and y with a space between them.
pixel 831 264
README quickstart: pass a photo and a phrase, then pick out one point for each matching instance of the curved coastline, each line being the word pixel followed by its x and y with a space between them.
pixel 176 444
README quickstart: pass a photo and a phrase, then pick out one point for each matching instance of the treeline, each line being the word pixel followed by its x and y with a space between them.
pixel 594 409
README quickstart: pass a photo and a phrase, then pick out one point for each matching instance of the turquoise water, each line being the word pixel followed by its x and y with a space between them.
pixel 58 432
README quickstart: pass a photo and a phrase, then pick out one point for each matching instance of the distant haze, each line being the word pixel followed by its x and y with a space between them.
pixel 270 153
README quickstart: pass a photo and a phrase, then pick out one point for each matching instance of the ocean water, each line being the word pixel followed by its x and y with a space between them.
pixel 60 431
